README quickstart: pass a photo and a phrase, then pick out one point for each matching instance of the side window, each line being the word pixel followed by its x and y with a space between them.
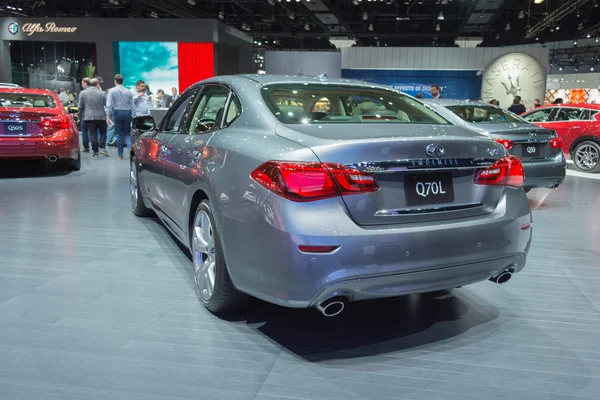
pixel 173 122
pixel 585 114
pixel 568 114
pixel 208 112
pixel 234 111
pixel 539 115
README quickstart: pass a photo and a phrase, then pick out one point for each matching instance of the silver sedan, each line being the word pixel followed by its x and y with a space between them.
pixel 538 148
pixel 315 192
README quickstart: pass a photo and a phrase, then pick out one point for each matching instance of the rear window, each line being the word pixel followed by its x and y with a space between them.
pixel 27 100
pixel 484 114
pixel 337 104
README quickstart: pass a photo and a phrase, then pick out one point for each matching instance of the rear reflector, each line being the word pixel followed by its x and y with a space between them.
pixel 526 226
pixel 507 171
pixel 508 144
pixel 307 181
pixel 556 143
pixel 317 249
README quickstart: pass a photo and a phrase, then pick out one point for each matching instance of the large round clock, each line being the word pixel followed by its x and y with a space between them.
pixel 514 74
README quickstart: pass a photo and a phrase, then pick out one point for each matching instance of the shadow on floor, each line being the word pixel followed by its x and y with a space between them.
pixel 365 328
pixel 31 169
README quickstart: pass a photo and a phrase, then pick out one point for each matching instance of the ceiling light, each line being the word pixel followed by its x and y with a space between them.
pixel 595 3
pixel 271 2
pixel 574 42
pixel 507 27
pixel 558 27
pixel 297 1
pixel 292 16
pixel 597 40
pixel 365 16
pixel 370 27
pixel 221 15
pixel 560 68
pixel 589 35
pixel 580 26
pixel 355 2
pixel 552 29
pixel 576 68
pixel 592 68
pixel 192 2
pixel 538 1
pixel 521 14
pixel 153 14
pixel 537 38
pixel 306 27
pixel 441 16
pixel 437 27
pixel 497 36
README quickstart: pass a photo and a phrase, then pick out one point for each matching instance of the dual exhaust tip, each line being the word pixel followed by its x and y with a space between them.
pixel 334 306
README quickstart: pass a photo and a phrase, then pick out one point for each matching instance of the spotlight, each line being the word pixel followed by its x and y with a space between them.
pixel 574 42
pixel 597 39
pixel 558 27
pixel 589 35
pixel 292 16
pixel 538 1
pixel 595 3
pixel 192 2
pixel 580 26
pixel 306 27
pixel 271 2
pixel 576 68
pixel 507 27
pixel 437 27
pixel 592 68
pixel 521 14
pixel 560 68
pixel 370 28
pixel 221 15
pixel 497 36
pixel 440 16
pixel 365 16
pixel 355 2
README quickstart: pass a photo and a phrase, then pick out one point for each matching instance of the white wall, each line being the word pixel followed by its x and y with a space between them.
pixel 436 58
pixel 310 63
pixel 574 81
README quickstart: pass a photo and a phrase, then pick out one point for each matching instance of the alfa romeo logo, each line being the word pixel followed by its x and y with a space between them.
pixel 13 28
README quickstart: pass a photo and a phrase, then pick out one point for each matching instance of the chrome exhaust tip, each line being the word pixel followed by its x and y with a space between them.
pixel 502 277
pixel 333 306
pixel 52 158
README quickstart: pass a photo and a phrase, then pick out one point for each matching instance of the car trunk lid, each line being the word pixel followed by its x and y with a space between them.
pixel 530 142
pixel 19 122
pixel 413 186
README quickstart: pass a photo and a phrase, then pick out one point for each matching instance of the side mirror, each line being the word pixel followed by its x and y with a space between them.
pixel 144 123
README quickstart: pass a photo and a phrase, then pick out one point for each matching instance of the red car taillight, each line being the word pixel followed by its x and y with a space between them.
pixel 507 171
pixel 556 143
pixel 50 124
pixel 508 144
pixel 307 181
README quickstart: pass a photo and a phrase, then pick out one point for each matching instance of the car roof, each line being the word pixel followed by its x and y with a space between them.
pixel 570 105
pixel 268 79
pixel 25 91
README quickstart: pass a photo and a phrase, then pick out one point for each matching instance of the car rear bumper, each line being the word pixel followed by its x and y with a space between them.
pixel 61 145
pixel 371 262
pixel 549 173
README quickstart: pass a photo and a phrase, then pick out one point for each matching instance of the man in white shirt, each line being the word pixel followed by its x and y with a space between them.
pixel 63 96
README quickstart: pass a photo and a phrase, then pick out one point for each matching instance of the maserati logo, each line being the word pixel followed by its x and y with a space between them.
pixel 435 150
pixel 514 89
pixel 13 28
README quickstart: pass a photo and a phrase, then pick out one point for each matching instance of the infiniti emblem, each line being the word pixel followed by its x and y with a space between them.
pixel 435 150
pixel 532 134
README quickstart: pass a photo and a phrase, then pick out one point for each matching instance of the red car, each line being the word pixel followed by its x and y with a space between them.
pixel 579 127
pixel 35 126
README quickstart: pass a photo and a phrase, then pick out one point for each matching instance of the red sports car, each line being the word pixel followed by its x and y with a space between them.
pixel 579 127
pixel 34 125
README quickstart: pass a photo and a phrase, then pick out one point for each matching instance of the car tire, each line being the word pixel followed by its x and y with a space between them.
pixel 137 202
pixel 586 156
pixel 213 283
pixel 74 164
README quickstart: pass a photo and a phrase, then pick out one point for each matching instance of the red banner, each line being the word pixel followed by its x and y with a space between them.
pixel 196 62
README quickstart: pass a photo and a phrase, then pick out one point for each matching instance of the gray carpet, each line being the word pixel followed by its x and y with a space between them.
pixel 98 304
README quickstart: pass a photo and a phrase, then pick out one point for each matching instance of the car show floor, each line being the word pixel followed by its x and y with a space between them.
pixel 98 304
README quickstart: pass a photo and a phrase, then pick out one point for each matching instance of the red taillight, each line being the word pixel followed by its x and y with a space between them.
pixel 49 124
pixel 508 144
pixel 316 249
pixel 507 171
pixel 306 181
pixel 556 143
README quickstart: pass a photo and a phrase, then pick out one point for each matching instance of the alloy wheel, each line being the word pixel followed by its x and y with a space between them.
pixel 133 185
pixel 203 246
pixel 587 157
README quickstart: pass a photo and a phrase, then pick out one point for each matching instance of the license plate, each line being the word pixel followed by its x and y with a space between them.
pixel 530 150
pixel 14 128
pixel 432 188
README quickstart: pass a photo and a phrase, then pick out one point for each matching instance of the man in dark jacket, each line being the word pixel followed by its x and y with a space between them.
pixel 517 107
pixel 91 109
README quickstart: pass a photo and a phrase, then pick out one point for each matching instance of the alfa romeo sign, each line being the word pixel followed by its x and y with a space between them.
pixel 13 28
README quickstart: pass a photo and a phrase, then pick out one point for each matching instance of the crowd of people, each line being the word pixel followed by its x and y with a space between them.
pixel 105 117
